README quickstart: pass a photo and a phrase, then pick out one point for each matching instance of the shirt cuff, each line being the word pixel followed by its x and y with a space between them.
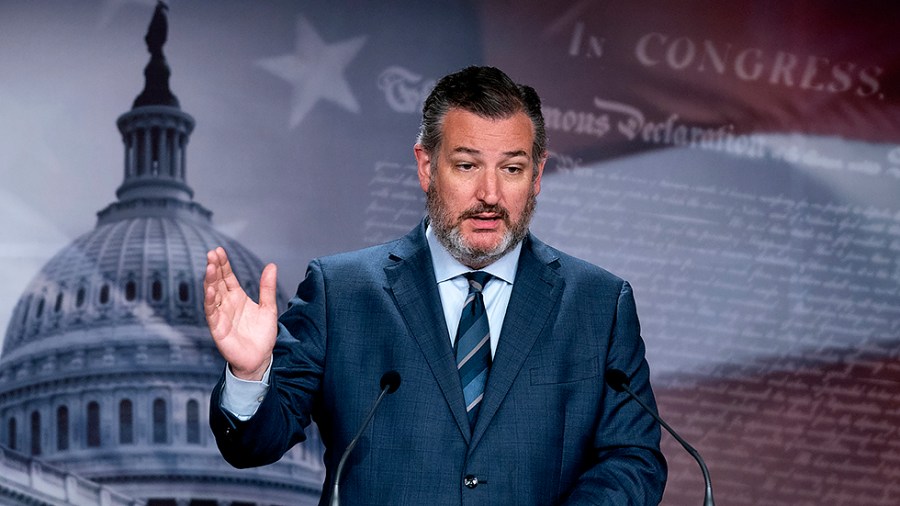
pixel 242 398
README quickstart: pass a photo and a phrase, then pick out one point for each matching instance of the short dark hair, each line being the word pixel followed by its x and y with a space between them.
pixel 487 92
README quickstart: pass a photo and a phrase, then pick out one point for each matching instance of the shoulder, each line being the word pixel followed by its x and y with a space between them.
pixel 411 247
pixel 361 263
pixel 571 268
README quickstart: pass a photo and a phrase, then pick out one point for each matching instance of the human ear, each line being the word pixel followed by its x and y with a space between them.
pixel 539 167
pixel 423 165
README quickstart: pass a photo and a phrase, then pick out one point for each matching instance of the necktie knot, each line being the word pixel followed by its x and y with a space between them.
pixel 477 280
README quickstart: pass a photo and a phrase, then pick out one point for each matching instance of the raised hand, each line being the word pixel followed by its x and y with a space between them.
pixel 244 331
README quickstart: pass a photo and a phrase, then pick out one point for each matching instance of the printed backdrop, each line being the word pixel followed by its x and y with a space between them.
pixel 738 162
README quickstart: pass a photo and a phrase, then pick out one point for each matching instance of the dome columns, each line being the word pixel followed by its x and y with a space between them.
pixel 155 139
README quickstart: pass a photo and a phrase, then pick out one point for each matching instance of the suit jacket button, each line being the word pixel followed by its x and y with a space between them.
pixel 470 481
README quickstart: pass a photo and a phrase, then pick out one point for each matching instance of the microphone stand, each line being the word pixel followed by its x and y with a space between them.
pixel 390 381
pixel 619 381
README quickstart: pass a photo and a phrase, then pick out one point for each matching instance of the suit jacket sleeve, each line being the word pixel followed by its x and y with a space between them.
pixel 628 468
pixel 294 384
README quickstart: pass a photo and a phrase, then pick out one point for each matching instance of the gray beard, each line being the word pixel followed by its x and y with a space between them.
pixel 447 229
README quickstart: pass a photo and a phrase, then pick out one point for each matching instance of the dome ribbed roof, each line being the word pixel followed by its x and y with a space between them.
pixel 142 270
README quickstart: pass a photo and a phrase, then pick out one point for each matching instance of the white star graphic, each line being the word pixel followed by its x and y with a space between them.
pixel 315 70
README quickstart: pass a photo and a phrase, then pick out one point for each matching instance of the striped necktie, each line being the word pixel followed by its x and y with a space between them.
pixel 473 344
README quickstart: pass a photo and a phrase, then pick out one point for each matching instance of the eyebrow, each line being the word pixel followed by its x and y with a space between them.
pixel 508 154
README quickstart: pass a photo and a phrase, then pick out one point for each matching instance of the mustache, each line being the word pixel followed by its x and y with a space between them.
pixel 482 208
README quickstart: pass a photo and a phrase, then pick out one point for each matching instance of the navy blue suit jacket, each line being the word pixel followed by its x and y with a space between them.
pixel 549 430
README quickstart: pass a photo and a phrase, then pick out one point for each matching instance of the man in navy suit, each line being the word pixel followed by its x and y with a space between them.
pixel 533 424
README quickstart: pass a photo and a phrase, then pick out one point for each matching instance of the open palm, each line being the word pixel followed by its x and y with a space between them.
pixel 244 331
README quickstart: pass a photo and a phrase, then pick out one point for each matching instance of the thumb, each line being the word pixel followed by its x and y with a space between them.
pixel 268 286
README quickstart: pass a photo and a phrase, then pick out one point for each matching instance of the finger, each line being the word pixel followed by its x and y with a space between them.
pixel 212 283
pixel 268 288
pixel 210 306
pixel 225 271
pixel 212 270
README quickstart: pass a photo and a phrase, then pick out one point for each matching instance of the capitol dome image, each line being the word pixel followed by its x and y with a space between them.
pixel 107 364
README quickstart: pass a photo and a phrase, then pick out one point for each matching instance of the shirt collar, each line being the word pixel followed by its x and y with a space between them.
pixel 446 267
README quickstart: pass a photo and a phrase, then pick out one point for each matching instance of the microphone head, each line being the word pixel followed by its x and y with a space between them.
pixel 391 381
pixel 617 380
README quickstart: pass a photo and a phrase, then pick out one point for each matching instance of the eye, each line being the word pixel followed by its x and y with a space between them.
pixel 465 166
pixel 513 169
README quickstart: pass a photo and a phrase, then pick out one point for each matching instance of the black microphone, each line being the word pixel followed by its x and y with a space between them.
pixel 390 382
pixel 618 381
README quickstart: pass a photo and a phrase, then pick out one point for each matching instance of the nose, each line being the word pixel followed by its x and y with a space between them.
pixel 488 190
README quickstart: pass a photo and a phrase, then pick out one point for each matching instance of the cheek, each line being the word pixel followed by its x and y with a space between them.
pixel 516 204
pixel 456 198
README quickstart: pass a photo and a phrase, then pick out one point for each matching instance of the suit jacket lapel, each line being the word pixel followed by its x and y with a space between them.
pixel 535 293
pixel 410 278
